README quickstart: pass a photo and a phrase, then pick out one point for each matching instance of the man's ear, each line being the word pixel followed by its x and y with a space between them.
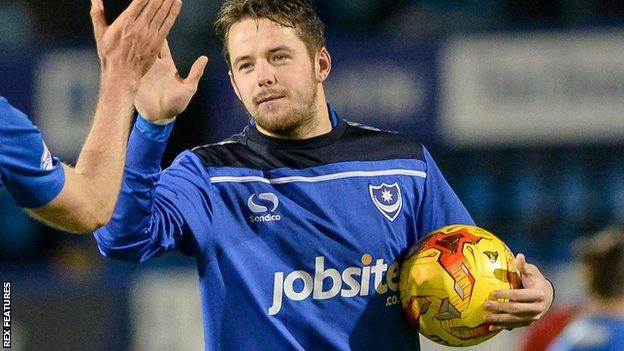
pixel 323 65
pixel 234 85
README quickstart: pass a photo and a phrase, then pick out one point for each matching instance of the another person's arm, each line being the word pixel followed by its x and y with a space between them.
pixel 152 208
pixel 127 49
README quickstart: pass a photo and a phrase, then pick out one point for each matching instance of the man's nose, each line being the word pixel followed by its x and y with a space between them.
pixel 266 73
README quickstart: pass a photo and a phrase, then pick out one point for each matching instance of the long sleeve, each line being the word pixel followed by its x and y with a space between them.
pixel 154 207
pixel 440 205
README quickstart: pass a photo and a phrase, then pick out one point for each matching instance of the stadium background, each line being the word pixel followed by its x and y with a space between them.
pixel 521 103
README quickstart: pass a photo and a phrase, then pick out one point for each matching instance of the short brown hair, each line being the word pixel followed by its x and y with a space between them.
pixel 296 14
pixel 603 255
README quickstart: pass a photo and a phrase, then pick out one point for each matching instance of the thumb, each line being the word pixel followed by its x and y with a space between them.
pixel 521 263
pixel 197 71
pixel 98 19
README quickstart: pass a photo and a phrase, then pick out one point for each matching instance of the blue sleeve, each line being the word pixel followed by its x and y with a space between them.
pixel 154 207
pixel 440 206
pixel 27 169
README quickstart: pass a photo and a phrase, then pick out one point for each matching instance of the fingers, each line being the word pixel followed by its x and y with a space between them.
pixel 159 16
pixel 135 8
pixel 526 269
pixel 150 11
pixel 197 71
pixel 169 20
pixel 518 295
pixel 520 261
pixel 518 309
pixel 510 315
pixel 508 326
pixel 504 319
pixel 98 18
pixel 529 272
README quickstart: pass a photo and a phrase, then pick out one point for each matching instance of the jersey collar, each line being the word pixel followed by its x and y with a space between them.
pixel 338 128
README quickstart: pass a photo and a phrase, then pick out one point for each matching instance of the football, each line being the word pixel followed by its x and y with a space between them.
pixel 446 278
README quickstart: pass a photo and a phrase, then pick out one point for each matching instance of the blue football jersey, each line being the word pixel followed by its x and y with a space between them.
pixel 591 333
pixel 298 244
pixel 27 169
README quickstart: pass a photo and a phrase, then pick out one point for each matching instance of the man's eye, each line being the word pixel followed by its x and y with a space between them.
pixel 244 66
pixel 279 58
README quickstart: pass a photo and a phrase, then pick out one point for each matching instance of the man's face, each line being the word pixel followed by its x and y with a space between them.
pixel 273 75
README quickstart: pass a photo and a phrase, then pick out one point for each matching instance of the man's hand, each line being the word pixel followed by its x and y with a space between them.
pixel 163 94
pixel 130 45
pixel 525 306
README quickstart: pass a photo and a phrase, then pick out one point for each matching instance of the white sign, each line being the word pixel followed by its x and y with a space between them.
pixel 540 88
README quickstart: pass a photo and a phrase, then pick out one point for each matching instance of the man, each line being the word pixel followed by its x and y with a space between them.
pixel 599 325
pixel 298 223
pixel 82 199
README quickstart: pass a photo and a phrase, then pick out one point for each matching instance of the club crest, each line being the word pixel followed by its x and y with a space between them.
pixel 387 199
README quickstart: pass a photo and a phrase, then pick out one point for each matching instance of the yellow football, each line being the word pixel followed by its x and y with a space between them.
pixel 447 277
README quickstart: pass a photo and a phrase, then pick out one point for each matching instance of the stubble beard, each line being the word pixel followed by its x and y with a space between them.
pixel 297 119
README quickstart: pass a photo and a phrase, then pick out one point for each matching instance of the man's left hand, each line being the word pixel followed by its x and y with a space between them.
pixel 523 306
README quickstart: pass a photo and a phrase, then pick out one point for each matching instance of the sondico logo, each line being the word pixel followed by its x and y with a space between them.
pixel 351 282
pixel 258 207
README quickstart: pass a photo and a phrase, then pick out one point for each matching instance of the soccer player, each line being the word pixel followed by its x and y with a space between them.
pixel 82 199
pixel 599 326
pixel 297 224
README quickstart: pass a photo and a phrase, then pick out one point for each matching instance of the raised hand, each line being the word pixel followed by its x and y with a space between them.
pixel 132 42
pixel 524 306
pixel 163 94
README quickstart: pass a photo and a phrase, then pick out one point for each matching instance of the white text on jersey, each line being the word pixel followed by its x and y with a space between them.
pixel 351 282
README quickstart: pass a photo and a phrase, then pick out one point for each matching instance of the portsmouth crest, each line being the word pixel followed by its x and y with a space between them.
pixel 387 199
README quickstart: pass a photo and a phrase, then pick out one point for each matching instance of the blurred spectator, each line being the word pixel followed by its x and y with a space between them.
pixel 600 323
pixel 544 331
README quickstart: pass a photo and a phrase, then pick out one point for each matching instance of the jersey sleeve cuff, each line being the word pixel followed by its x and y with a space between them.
pixel 146 146
pixel 154 131
pixel 49 188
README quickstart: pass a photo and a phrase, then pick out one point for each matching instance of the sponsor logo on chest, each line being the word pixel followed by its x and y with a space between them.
pixel 355 281
pixel 263 207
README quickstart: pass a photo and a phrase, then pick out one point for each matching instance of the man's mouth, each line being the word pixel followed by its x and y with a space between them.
pixel 269 98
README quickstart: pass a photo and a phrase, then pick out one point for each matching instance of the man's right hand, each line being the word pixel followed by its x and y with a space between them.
pixel 163 94
pixel 130 45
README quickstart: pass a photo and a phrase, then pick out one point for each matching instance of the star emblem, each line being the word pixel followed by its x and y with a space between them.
pixel 386 195
pixel 387 199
